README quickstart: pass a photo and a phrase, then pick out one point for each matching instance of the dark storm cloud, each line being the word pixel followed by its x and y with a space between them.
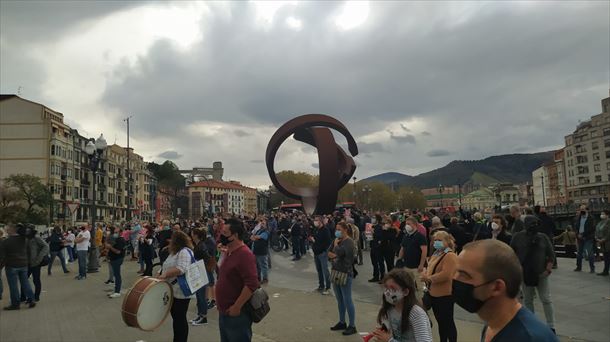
pixel 498 68
pixel 438 153
pixel 171 155
pixel 241 133
pixel 410 139
pixel 368 148
pixel 35 21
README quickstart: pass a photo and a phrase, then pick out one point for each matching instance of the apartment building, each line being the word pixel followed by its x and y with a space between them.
pixel 587 159
pixel 35 140
pixel 217 196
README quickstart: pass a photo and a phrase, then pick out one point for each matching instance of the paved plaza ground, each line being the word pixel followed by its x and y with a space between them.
pixel 72 310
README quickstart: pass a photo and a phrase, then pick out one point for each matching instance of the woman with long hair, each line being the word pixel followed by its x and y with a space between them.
pixel 180 250
pixel 401 318
pixel 342 256
pixel 442 266
pixel 198 236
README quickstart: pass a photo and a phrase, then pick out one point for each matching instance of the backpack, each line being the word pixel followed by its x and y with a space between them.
pixel 530 276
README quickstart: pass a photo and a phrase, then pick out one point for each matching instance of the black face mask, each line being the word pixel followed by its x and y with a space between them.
pixel 224 240
pixel 583 213
pixel 463 295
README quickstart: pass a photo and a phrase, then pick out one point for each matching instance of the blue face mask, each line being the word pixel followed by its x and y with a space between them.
pixel 438 245
pixel 338 234
pixel 115 235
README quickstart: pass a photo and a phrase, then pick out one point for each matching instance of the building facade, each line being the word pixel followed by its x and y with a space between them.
pixel 587 159
pixel 446 196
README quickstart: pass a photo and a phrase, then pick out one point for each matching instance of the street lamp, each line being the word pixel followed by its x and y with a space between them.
pixel 441 189
pixel 95 152
pixel 367 191
pixel 354 192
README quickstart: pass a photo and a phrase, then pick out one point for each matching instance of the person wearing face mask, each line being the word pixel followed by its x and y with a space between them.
pixel 487 283
pixel 482 226
pixel 438 279
pixel 389 235
pixel 321 242
pixel 413 253
pixel 602 237
pixel 536 254
pixel 400 318
pixel 237 280
pixel 342 256
pixel 498 229
pixel 116 254
pixel 585 232
pixel 377 247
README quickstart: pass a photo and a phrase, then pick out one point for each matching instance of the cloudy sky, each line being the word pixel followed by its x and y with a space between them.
pixel 419 84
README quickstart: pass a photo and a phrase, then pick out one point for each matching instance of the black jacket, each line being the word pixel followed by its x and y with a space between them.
pixel 459 235
pixel 55 242
pixel 200 252
pixel 547 226
pixel 504 237
pixel 589 233
pixel 13 252
pixel 322 241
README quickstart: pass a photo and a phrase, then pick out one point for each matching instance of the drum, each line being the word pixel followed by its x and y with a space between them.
pixel 147 304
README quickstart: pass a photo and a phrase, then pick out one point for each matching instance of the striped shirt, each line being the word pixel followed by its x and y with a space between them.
pixel 419 326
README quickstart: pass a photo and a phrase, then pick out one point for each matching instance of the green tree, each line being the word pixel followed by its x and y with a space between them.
pixel 411 198
pixel 27 192
pixel 171 183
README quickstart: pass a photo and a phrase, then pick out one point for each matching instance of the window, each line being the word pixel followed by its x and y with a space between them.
pixel 52 150
pixel 595 145
pixel 595 156
pixel 597 167
pixel 606 131
pixel 598 179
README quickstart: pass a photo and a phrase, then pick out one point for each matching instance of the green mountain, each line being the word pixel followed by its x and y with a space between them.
pixel 509 168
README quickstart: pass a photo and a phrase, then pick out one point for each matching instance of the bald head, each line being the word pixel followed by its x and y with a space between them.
pixel 491 259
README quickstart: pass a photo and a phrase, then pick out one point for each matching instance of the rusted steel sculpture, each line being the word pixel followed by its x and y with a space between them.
pixel 336 167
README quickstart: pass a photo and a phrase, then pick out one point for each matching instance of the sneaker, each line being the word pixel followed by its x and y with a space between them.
pixel 109 282
pixel 349 331
pixel 592 271
pixel 265 282
pixel 212 304
pixel 31 304
pixel 194 319
pixel 200 321
pixel 339 326
pixel 11 307
pixel 373 280
pixel 319 289
pixel 577 269
pixel 114 295
pixel 326 292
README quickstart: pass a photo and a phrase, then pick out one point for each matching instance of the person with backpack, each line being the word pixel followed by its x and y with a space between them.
pixel 536 254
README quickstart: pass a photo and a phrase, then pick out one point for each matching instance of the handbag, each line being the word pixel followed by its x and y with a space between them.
pixel 338 278
pixel 426 300
pixel 45 260
pixel 194 278
pixel 258 306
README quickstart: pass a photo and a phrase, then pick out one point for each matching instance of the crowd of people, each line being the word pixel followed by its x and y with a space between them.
pixel 487 263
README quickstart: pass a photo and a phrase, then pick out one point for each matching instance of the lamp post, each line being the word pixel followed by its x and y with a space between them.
pixel 460 194
pixel 367 191
pixel 543 196
pixel 95 152
pixel 354 192
pixel 441 189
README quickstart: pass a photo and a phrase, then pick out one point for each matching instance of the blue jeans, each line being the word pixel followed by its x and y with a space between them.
pixel 17 278
pixel 116 271
pixel 261 267
pixel 60 255
pixel 82 263
pixel 70 253
pixel 343 295
pixel 323 272
pixel 235 329
pixel 1 286
pixel 585 246
pixel 202 301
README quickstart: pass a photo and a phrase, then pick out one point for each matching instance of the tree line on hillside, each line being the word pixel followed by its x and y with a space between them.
pixel 366 194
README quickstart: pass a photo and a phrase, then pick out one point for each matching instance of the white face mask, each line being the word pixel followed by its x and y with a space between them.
pixel 603 216
pixel 409 229
pixel 495 226
pixel 392 296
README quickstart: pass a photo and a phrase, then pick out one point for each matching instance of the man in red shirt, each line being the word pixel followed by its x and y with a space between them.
pixel 237 279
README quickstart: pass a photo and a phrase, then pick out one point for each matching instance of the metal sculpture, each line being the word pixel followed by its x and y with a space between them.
pixel 336 167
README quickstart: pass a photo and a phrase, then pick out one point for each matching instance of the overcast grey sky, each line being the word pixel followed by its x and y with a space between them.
pixel 418 83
